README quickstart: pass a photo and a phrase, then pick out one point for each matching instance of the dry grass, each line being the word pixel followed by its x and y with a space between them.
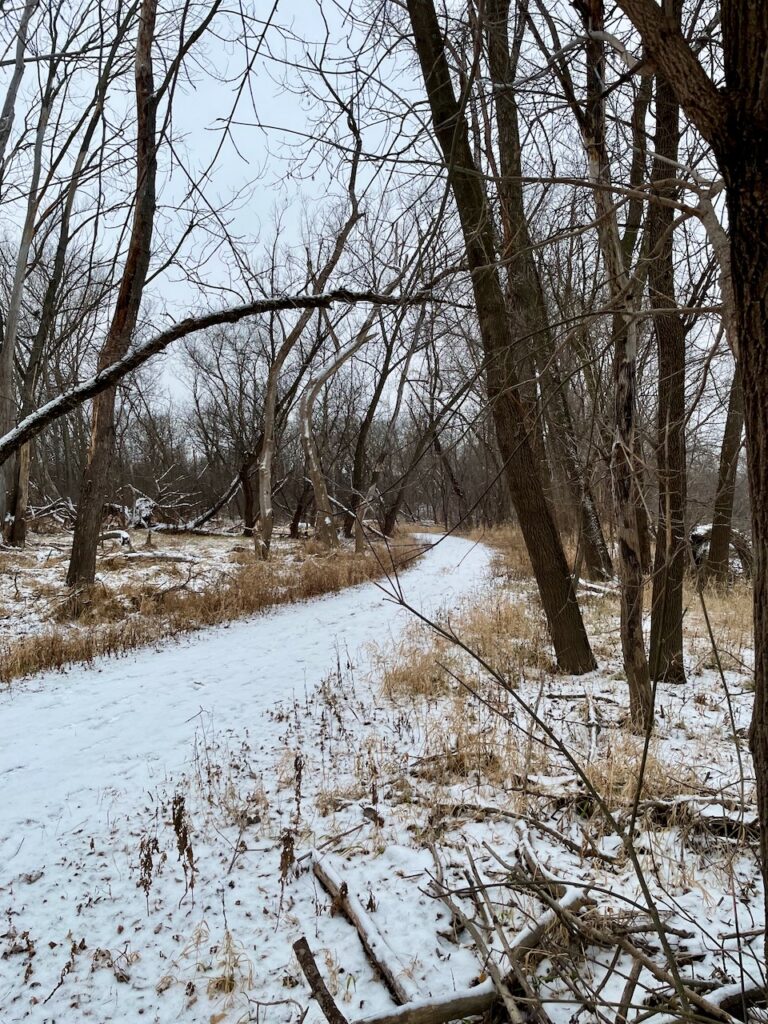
pixel 511 556
pixel 416 667
pixel 616 772
pixel 502 629
pixel 113 620
pixel 730 614
pixel 473 744
pixel 729 608
pixel 508 631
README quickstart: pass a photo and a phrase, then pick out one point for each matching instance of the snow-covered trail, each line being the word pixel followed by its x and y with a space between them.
pixel 72 746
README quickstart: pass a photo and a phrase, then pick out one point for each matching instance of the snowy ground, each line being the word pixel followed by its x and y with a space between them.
pixel 89 761
pixel 158 810
pixel 32 580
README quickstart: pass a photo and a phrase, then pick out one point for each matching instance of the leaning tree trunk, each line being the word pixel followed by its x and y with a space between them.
pixel 528 311
pixel 523 475
pixel 325 530
pixel 666 649
pixel 718 557
pixel 82 566
pixel 263 539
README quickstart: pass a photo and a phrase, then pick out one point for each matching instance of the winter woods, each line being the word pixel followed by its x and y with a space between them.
pixel 394 262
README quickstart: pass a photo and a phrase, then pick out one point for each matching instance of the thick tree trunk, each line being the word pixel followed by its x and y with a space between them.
pixel 18 535
pixel 392 511
pixel 301 507
pixel 748 217
pixel 666 650
pixel 718 557
pixel 523 475
pixel 529 319
pixel 249 499
pixel 82 566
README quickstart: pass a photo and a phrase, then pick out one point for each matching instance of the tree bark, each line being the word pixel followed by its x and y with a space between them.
pixel 626 488
pixel 82 566
pixel 301 507
pixel 747 180
pixel 666 648
pixel 526 302
pixel 542 539
pixel 717 563
pixel 733 120
pixel 249 502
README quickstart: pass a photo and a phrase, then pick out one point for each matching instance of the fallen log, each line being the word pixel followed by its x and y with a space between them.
pixel 383 958
pixel 122 535
pixel 468 1002
pixel 727 819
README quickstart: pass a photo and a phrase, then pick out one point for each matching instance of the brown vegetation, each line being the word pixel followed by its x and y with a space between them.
pixel 134 614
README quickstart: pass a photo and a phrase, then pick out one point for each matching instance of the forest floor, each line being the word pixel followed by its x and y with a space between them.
pixel 171 820
pixel 143 593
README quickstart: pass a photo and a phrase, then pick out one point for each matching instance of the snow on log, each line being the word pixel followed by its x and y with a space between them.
pixel 383 958
pixel 468 1002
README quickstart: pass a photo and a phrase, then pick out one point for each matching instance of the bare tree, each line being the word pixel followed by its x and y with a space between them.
pixel 523 472
pixel 732 119
pixel 666 644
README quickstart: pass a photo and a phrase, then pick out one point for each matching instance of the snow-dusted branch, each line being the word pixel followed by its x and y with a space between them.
pixel 37 421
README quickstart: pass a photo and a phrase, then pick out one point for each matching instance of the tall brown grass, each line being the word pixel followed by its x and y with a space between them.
pixel 111 620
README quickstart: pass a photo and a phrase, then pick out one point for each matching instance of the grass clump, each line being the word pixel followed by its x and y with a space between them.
pixel 112 620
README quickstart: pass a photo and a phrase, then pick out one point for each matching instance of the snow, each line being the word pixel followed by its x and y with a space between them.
pixel 271 741
pixel 32 581
pixel 84 756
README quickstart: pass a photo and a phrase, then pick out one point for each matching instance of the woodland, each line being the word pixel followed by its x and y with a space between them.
pixel 411 358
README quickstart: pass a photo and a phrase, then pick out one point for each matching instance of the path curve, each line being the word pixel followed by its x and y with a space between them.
pixel 71 744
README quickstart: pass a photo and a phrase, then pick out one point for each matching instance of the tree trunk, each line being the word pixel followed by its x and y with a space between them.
pixel 529 318
pixel 718 557
pixel 249 502
pixel 21 496
pixel 362 507
pixel 666 649
pixel 456 487
pixel 626 488
pixel 9 348
pixel 271 403
pixel 392 511
pixel 82 565
pixel 301 506
pixel 747 181
pixel 325 529
pixel 542 539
